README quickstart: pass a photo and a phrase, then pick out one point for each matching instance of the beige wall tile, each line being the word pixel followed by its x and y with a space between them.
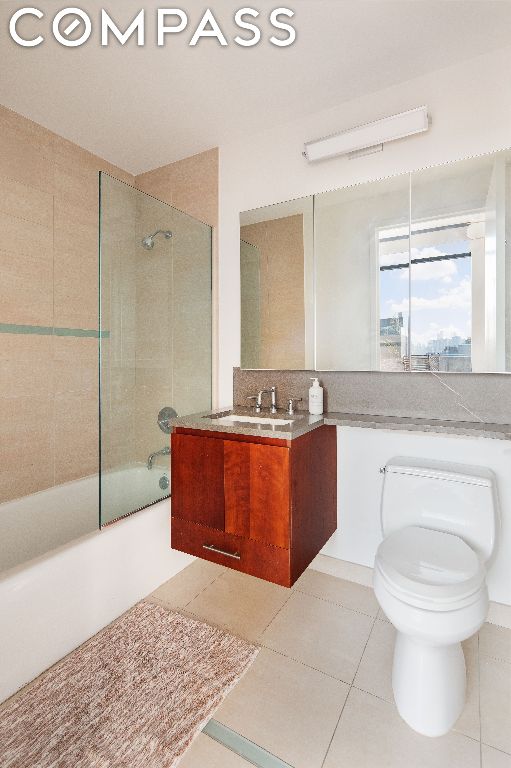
pixel 77 192
pixel 76 436
pixel 190 184
pixel 281 298
pixel 23 239
pixel 26 378
pixel 27 445
pixel 26 202
pixel 75 365
pixel 20 346
pixel 76 273
pixel 25 157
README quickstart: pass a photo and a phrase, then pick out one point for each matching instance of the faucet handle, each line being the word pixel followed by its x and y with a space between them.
pixel 256 404
pixel 290 404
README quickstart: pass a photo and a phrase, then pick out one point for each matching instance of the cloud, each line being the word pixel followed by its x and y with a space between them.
pixel 436 270
pixel 459 297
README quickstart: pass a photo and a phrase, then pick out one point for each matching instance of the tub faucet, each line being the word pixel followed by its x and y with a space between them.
pixel 164 452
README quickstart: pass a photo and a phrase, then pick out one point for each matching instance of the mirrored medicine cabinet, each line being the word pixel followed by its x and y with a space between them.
pixel 409 273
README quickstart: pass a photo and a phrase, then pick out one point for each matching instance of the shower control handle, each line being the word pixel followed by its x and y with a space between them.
pixel 211 548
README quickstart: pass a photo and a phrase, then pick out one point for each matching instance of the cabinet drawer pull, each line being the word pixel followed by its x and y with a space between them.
pixel 211 548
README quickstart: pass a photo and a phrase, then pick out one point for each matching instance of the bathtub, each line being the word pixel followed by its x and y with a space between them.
pixel 35 524
pixel 52 604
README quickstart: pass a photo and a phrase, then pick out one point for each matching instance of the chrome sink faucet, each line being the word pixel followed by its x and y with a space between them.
pixel 259 399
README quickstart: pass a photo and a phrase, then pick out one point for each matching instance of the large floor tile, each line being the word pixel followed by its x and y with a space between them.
pixel 207 753
pixel 346 593
pixel 374 674
pixel 493 758
pixel 469 721
pixel 495 641
pixel 286 708
pixel 187 584
pixel 322 635
pixel 241 603
pixel 371 734
pixel 495 694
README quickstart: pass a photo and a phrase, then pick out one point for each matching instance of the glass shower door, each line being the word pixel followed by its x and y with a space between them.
pixel 155 353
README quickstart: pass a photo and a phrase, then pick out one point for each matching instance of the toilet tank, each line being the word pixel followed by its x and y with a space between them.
pixel 455 498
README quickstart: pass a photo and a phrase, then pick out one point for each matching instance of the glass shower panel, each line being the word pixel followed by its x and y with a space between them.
pixel 155 272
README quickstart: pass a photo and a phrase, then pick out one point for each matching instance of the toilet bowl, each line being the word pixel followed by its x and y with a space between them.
pixel 439 524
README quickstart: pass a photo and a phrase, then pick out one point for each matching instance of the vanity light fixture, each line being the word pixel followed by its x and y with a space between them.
pixel 369 136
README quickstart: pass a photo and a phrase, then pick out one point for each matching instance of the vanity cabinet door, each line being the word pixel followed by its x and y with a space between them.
pixel 257 492
pixel 198 479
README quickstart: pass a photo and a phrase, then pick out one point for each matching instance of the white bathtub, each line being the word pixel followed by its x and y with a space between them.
pixel 54 603
pixel 40 522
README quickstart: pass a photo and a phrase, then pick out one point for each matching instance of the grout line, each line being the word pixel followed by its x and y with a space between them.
pixel 215 578
pixel 340 605
pixel 347 697
pixel 479 702
pixel 303 664
pixel 274 617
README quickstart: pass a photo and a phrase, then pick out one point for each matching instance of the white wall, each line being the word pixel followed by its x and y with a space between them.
pixel 54 604
pixel 360 454
pixel 470 106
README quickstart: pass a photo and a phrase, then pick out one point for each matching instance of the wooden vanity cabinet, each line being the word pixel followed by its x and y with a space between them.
pixel 263 506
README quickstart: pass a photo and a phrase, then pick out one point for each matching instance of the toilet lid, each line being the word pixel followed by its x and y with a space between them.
pixel 429 565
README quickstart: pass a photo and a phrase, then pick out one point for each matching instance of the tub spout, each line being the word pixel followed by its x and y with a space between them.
pixel 164 452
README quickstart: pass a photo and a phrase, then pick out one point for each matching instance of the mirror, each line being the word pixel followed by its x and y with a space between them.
pixel 277 278
pixel 410 273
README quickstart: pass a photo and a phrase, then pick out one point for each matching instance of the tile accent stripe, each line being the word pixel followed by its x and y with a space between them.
pixel 242 746
pixel 43 330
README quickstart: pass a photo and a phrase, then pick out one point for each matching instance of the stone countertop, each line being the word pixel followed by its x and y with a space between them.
pixel 211 421
pixel 469 428
pixel 303 422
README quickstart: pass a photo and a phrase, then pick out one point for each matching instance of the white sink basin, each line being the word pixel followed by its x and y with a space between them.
pixel 233 417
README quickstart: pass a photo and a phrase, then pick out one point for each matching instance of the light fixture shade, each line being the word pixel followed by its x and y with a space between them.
pixel 369 135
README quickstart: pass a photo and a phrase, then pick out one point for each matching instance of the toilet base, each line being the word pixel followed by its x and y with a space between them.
pixel 429 684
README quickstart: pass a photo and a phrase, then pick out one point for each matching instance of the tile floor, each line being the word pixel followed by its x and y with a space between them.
pixel 319 693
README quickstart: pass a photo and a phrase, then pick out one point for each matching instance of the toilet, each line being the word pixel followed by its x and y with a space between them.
pixel 440 528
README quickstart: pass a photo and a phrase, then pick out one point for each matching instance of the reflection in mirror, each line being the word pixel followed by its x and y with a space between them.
pixel 458 266
pixel 355 330
pixel 276 264
pixel 410 273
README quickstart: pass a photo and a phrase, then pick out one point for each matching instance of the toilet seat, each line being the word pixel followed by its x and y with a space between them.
pixel 430 569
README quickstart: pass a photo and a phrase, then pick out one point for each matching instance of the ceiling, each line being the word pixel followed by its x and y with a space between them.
pixel 143 107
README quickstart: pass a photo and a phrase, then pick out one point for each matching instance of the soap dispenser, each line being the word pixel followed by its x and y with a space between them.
pixel 316 398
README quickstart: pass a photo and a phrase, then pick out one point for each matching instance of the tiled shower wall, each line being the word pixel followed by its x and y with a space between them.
pixel 48 307
pixel 49 300
pixel 191 185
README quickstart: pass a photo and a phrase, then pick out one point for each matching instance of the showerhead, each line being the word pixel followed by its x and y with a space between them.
pixel 148 242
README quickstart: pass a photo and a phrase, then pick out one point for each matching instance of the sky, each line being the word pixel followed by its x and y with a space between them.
pixel 441 293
